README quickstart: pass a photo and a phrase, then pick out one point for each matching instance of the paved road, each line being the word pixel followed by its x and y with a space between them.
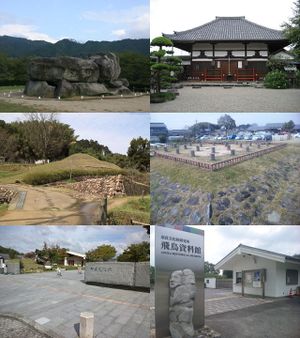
pixel 279 319
pixel 45 205
pixel 239 99
pixel 56 303
pixel 223 300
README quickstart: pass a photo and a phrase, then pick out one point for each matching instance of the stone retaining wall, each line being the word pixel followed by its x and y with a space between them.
pixel 6 194
pixel 221 164
pixel 118 273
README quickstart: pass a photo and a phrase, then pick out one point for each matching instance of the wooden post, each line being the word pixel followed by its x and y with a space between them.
pixel 192 153
pixel 177 150
pixel 213 150
pixel 197 148
pixel 165 149
pixel 232 152
pixel 103 211
pixel 212 156
pixel 86 325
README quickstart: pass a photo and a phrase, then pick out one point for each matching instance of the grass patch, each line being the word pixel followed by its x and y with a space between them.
pixel 135 208
pixel 4 89
pixel 162 97
pixel 30 265
pixel 73 166
pixel 3 208
pixel 15 107
pixel 216 180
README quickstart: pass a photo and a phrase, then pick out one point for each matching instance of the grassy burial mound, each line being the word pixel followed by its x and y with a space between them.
pixel 71 167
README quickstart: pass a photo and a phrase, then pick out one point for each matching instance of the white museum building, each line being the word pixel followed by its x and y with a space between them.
pixel 261 272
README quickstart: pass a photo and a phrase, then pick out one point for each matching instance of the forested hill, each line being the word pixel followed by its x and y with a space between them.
pixel 20 47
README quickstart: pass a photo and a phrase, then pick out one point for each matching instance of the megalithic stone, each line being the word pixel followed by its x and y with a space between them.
pixel 232 153
pixel 212 156
pixel 192 153
pixel 213 150
pixel 197 148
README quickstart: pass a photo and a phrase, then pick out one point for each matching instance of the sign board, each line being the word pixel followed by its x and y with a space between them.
pixel 177 249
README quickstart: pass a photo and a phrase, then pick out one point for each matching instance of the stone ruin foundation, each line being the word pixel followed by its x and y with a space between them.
pixel 54 77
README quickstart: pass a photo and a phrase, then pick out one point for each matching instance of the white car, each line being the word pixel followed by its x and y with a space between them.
pixel 297 135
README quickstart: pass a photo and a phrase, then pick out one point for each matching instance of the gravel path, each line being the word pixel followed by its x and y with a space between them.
pixel 239 99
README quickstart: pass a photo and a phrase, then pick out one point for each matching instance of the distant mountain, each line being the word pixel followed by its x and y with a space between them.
pixel 20 47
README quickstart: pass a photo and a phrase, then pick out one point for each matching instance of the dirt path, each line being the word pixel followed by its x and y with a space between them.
pixel 117 202
pixel 43 205
pixel 132 104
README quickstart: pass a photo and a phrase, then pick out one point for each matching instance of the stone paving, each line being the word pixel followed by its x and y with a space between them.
pixel 270 198
pixel 14 328
pixel 223 300
pixel 239 99
pixel 56 303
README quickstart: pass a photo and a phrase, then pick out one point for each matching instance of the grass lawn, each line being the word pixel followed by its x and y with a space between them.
pixel 4 89
pixel 74 165
pixel 15 108
pixel 134 208
pixel 216 180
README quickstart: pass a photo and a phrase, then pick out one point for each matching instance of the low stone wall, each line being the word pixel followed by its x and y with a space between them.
pixel 118 273
pixel 221 164
pixel 6 194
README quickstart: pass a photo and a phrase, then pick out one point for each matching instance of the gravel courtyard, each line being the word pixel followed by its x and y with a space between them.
pixel 236 99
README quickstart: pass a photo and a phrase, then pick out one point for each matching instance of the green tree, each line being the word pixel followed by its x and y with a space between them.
pixel 139 154
pixel 103 252
pixel 288 126
pixel 136 253
pixel 209 269
pixel 90 147
pixel 55 254
pixel 164 66
pixel 227 122
pixel 291 29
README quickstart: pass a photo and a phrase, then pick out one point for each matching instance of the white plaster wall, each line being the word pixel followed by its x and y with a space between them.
pixel 257 46
pixel 245 262
pixel 281 288
pixel 229 46
pixel 202 46
pixel 211 284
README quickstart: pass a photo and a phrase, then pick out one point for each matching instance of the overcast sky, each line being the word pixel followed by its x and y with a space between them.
pixel 220 240
pixel 167 16
pixel 114 130
pixel 182 120
pixel 75 238
pixel 80 20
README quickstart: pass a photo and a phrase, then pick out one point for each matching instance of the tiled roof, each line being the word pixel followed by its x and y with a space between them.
pixel 228 28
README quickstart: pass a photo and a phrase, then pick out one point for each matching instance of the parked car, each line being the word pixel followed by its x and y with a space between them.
pixel 239 137
pixel 267 137
pixel 231 137
pixel 204 137
pixel 257 137
pixel 297 135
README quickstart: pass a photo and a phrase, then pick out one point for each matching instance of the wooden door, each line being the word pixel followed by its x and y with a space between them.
pixel 229 69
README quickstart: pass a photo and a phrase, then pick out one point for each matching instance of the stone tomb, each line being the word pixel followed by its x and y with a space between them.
pixel 51 77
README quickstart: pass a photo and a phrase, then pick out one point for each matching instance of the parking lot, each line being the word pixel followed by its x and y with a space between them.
pixel 54 304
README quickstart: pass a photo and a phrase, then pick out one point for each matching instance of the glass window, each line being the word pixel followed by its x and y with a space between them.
pixel 291 277
pixel 218 64
pixel 240 64
pixel 238 277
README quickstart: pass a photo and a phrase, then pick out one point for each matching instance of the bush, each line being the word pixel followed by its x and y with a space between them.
pixel 276 79
pixel 162 97
pixel 297 82
pixel 45 177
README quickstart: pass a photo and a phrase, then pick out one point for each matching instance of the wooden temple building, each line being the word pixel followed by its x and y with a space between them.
pixel 228 49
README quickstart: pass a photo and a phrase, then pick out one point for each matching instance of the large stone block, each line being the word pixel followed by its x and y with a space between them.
pixel 109 67
pixel 90 89
pixel 71 69
pixel 142 274
pixel 39 88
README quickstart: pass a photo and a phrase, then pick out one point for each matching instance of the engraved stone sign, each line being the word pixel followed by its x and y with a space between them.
pixel 179 281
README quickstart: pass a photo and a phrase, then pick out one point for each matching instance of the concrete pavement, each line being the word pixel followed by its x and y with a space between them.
pixel 55 303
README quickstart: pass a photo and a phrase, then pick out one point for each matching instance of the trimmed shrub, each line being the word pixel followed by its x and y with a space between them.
pixel 276 79
pixel 162 97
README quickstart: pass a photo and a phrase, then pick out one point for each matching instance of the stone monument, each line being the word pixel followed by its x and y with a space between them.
pixel 182 296
pixel 65 76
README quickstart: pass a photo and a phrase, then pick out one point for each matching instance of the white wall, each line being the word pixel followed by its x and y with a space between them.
pixel 210 283
pixel 283 289
pixel 245 262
